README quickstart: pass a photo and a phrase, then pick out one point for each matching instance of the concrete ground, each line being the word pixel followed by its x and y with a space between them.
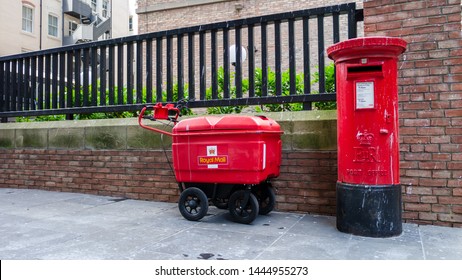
pixel 38 224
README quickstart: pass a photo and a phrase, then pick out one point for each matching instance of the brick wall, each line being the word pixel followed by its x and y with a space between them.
pixel 306 184
pixel 118 158
pixel 430 94
pixel 134 174
pixel 172 18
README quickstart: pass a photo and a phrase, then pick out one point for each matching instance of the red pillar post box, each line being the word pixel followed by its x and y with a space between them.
pixel 368 187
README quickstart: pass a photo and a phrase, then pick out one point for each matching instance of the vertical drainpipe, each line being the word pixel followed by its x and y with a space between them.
pixel 41 19
pixel 112 27
pixel 62 23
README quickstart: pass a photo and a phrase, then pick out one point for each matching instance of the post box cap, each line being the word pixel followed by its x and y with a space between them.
pixel 367 47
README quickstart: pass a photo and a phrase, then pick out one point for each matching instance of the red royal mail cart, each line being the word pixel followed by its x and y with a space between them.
pixel 227 160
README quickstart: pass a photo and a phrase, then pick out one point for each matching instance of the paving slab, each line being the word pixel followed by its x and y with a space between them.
pixel 441 243
pixel 37 224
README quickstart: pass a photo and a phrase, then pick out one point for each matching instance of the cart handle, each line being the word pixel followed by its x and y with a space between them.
pixel 140 121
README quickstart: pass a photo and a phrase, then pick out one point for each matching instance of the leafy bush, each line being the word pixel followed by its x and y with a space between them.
pixel 220 91
pixel 285 87
pixel 271 91
pixel 329 74
pixel 41 118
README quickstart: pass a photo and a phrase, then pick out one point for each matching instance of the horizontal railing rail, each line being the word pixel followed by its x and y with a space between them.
pixel 268 59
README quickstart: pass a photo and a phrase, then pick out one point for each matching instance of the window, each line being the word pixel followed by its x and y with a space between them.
pixel 52 26
pixel 105 8
pixel 130 23
pixel 94 4
pixel 72 27
pixel 106 36
pixel 27 19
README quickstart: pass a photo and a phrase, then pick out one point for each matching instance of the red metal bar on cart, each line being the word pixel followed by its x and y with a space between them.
pixel 140 122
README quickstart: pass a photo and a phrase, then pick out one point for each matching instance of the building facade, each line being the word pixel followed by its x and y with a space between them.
pixel 158 15
pixel 36 24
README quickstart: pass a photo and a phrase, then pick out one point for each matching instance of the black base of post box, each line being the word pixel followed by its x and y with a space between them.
pixel 369 210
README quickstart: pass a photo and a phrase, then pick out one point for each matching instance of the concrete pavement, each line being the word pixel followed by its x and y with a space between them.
pixel 47 225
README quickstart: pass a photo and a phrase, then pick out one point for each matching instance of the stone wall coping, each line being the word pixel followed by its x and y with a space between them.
pixel 303 130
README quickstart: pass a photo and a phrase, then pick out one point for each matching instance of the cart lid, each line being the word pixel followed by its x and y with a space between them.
pixel 231 122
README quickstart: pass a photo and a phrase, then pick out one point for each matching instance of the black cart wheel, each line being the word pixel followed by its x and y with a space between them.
pixel 266 198
pixel 243 207
pixel 220 203
pixel 193 204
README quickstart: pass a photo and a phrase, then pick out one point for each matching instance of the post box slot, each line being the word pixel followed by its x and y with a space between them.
pixel 364 69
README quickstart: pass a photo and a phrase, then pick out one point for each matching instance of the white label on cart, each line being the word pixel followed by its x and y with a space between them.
pixel 365 95
pixel 264 156
pixel 212 151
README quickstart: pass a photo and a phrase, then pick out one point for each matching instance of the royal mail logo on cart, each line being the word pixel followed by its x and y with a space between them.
pixel 213 158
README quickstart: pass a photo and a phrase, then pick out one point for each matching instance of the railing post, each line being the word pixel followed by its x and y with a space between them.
pixel 292 59
pixel 306 62
pixel 13 85
pixel 62 80
pixel 226 63
pixel 352 24
pixel 191 66
pixel 321 62
pixel 169 68
pixel 214 64
pixel 27 89
pixel 129 73
pixel 2 86
pixel 54 81
pixel 159 69
pixel 102 77
pixel 179 42
pixel 139 72
pixel 111 75
pixel 69 103
pixel 238 76
pixel 251 58
pixel 264 60
pixel 85 74
pixel 120 74
pixel 20 85
pixel 77 82
pixel 277 56
pixel 202 67
pixel 149 71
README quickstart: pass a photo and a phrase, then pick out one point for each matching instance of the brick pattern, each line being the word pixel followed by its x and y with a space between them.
pixel 221 11
pixel 136 175
pixel 430 87
pixel 306 183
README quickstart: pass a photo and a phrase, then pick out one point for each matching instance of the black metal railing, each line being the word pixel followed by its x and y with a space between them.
pixel 203 65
